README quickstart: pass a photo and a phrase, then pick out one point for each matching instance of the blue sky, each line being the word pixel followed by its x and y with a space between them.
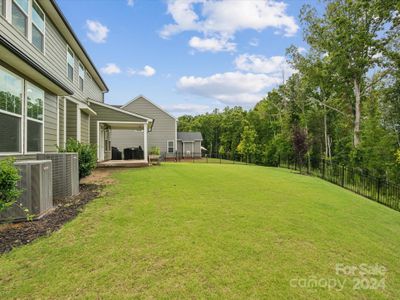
pixel 186 55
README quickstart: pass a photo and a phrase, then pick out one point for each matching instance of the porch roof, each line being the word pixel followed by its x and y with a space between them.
pixel 125 125
pixel 116 117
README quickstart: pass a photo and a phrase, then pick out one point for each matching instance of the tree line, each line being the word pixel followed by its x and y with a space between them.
pixel 342 104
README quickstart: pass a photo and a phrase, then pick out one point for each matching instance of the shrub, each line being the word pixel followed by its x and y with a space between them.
pixel 9 177
pixel 155 150
pixel 87 156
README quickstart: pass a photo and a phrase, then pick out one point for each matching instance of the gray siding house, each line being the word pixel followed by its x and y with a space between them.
pixel 189 144
pixel 50 90
pixel 162 135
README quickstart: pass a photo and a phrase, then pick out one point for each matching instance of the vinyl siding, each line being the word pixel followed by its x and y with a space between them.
pixel 164 128
pixel 50 123
pixel 71 120
pixel 122 139
pixel 180 147
pixel 84 128
pixel 107 114
pixel 21 157
pixel 183 147
pixel 61 121
pixel 55 58
pixel 197 147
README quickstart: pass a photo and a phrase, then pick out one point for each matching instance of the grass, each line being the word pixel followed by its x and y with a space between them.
pixel 210 231
pixel 213 160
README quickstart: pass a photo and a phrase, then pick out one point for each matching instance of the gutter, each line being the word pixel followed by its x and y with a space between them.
pixel 9 46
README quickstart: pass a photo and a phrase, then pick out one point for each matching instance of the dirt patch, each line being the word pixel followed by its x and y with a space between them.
pixel 100 176
pixel 17 234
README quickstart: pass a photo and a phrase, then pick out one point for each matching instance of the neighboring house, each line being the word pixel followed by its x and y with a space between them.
pixel 162 135
pixel 189 144
pixel 50 89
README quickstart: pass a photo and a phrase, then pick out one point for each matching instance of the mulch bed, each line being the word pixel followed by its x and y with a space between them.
pixel 16 234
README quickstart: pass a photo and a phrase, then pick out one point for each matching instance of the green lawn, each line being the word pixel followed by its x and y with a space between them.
pixel 210 231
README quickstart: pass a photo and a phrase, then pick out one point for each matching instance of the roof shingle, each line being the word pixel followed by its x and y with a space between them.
pixel 190 136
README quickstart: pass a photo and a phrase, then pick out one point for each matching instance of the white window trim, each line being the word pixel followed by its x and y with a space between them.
pixel 67 64
pixel 173 146
pixel 8 11
pixel 28 17
pixel 24 118
pixel 32 119
pixel 80 65
pixel 21 116
pixel 44 28
pixel 20 133
pixel 8 17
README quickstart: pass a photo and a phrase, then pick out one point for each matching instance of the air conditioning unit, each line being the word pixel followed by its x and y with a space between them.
pixel 65 174
pixel 37 192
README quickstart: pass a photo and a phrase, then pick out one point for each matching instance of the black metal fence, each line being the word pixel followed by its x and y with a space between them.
pixel 358 180
pixel 193 157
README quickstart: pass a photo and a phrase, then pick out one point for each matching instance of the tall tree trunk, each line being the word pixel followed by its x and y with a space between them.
pixel 357 112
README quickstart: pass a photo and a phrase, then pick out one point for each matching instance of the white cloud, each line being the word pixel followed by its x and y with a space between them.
pixel 110 69
pixel 230 87
pixel 211 44
pixel 97 32
pixel 274 65
pixel 187 108
pixel 223 18
pixel 147 71
pixel 301 50
pixel 254 42
pixel 130 2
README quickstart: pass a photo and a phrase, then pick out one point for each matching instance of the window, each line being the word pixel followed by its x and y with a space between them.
pixel 170 146
pixel 11 93
pixel 37 27
pixel 35 100
pixel 28 18
pixel 20 15
pixel 81 76
pixel 70 64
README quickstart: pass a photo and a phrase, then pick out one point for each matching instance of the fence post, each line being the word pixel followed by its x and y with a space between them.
pixel 378 189
pixel 342 181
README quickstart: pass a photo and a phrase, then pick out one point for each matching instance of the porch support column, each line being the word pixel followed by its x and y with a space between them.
pixel 145 141
pixel 78 123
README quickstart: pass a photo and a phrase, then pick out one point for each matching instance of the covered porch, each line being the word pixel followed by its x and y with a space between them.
pixel 108 119
pixel 105 145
